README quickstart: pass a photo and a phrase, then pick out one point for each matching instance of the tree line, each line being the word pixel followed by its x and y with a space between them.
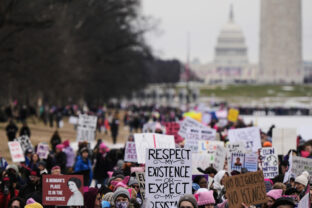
pixel 90 50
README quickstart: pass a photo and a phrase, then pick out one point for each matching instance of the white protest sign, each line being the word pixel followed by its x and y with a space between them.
pixel 300 164
pixel 189 123
pixel 304 202
pixel 204 146
pixel 86 128
pixel 73 120
pixel 151 140
pixel 130 152
pixel 305 132
pixel 168 176
pixel 284 140
pixel 24 142
pixel 220 155
pixel 202 160
pixel 43 150
pixel 194 135
pixel 149 127
pixel 250 136
pixel 269 162
pixel 16 151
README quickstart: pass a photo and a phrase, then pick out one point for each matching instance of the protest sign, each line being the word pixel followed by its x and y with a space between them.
pixel 233 115
pixel 250 136
pixel 137 169
pixel 62 190
pixel 188 123
pixel 269 162
pixel 202 160
pixel 24 142
pixel 304 202
pixel 172 128
pixel 130 152
pixel 150 140
pixel 300 164
pixel 16 151
pixel 73 120
pixel 43 150
pixel 149 127
pixel 140 176
pixel 220 155
pixel 86 128
pixel 168 176
pixel 204 146
pixel 245 188
pixel 244 160
pixel 284 140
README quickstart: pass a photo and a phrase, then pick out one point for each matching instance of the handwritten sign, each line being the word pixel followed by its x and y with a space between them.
pixel 300 164
pixel 130 152
pixel 140 176
pixel 24 142
pixel 220 155
pixel 250 136
pixel 168 176
pixel 305 201
pixel 194 135
pixel 189 123
pixel 172 128
pixel 284 140
pixel 43 150
pixel 150 140
pixel 16 151
pixel 269 162
pixel 62 190
pixel 86 128
pixel 245 188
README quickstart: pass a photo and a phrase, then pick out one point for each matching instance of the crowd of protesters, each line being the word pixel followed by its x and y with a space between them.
pixel 108 181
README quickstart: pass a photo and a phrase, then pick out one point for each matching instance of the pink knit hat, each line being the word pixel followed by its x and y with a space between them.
pixel 205 197
pixel 275 193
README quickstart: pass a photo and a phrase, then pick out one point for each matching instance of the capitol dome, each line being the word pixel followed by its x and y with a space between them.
pixel 231 49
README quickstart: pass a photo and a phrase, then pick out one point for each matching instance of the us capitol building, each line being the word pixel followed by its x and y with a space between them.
pixel 231 62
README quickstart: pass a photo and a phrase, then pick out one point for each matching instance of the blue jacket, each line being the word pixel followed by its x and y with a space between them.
pixel 82 165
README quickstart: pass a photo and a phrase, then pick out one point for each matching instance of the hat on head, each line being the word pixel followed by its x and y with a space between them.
pixel 121 191
pixel 66 143
pixel 205 197
pixel 132 181
pixel 190 198
pixel 105 204
pixel 29 150
pixel 84 149
pixel 56 167
pixel 35 173
pixel 275 193
pixel 14 167
pixel 303 178
pixel 31 203
pixel 43 163
pixel 109 197
pixel 267 144
pixel 59 146
pixel 283 201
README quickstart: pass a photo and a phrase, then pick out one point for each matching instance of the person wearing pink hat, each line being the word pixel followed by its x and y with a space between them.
pixel 205 199
pixel 272 196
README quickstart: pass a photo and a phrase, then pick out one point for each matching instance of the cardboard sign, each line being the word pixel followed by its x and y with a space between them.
pixel 242 160
pixel 250 136
pixel 233 115
pixel 24 142
pixel 140 176
pixel 62 190
pixel 168 176
pixel 43 150
pixel 16 151
pixel 269 162
pixel 300 164
pixel 150 140
pixel 284 140
pixel 245 188
pixel 130 152
pixel 86 128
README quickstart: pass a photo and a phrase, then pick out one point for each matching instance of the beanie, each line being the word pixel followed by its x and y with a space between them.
pixel 303 178
pixel 205 198
pixel 31 203
pixel 121 191
pixel 267 144
pixel 190 198
pixel 132 181
pixel 59 146
pixel 275 193
pixel 66 143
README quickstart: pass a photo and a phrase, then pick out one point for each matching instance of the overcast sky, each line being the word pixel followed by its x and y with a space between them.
pixel 203 19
